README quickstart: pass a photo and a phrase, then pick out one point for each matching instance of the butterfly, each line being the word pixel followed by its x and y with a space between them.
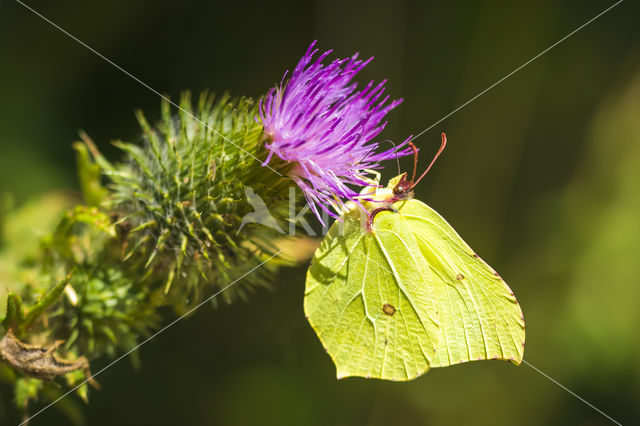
pixel 393 291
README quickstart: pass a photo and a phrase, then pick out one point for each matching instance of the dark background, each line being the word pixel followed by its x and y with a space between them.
pixel 541 176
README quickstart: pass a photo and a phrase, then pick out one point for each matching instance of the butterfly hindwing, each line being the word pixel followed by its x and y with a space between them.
pixel 478 313
pixel 368 299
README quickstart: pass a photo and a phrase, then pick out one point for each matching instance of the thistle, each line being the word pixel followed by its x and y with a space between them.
pixel 324 127
pixel 181 196
pixel 159 229
pixel 164 227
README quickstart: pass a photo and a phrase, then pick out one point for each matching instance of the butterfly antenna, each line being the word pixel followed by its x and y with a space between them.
pixel 396 151
pixel 415 160
pixel 442 145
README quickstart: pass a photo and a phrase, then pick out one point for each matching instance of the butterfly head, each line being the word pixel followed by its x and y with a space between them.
pixel 400 188
pixel 403 189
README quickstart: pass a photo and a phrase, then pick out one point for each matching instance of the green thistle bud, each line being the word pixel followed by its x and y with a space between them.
pixel 180 198
pixel 166 229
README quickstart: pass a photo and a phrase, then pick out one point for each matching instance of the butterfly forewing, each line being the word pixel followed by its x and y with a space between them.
pixel 478 313
pixel 368 299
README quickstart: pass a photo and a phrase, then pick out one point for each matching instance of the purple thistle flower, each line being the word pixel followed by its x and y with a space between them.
pixel 319 121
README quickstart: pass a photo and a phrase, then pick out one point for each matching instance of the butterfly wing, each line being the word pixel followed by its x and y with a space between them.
pixel 479 315
pixel 367 297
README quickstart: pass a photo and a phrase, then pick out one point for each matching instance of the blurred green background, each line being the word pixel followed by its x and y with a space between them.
pixel 541 177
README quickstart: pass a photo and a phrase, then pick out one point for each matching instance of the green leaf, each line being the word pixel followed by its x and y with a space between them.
pixel 78 377
pixel 15 312
pixel 90 216
pixel 368 299
pixel 26 389
pixel 89 174
pixel 23 232
pixel 46 300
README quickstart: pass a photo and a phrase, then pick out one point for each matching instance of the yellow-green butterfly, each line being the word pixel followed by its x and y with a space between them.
pixel 394 291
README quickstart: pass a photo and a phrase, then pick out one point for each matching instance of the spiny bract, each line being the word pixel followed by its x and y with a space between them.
pixel 182 194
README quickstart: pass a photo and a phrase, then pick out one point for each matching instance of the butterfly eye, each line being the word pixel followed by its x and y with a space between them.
pixel 402 186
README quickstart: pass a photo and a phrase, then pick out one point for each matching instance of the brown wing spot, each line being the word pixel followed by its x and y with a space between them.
pixel 388 309
pixel 459 277
pixel 476 256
